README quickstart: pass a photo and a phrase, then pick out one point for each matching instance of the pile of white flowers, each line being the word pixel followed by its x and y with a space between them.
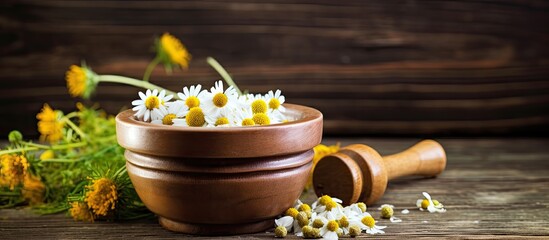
pixel 326 218
pixel 218 107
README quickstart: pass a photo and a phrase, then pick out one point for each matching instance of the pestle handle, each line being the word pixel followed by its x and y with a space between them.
pixel 426 158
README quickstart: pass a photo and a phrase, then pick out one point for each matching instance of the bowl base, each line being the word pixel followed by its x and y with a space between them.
pixel 215 229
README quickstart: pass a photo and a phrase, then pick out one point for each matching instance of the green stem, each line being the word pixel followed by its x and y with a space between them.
pixel 9 194
pixel 75 128
pixel 150 68
pixel 71 115
pixel 132 82
pixel 224 74
pixel 63 160
pixel 17 150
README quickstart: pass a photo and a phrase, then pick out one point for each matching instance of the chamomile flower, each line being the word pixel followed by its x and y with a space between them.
pixel 288 220
pixel 244 118
pixel 192 96
pixel 387 212
pixel 151 104
pixel 330 229
pixel 194 118
pixel 221 119
pixel 258 104
pixel 172 111
pixel 430 205
pixel 320 204
pixel 219 100
pixel 275 100
pixel 303 207
pixel 368 223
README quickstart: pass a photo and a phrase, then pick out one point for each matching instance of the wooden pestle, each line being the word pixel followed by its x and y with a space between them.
pixel 358 173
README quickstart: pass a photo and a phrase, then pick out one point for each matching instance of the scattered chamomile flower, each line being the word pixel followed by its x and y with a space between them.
pixel 354 231
pixel 330 230
pixel 219 100
pixel 281 232
pixel 303 207
pixel 151 104
pixel 192 96
pixel 368 223
pixel 387 212
pixel 172 111
pixel 430 205
pixel 320 204
pixel 288 220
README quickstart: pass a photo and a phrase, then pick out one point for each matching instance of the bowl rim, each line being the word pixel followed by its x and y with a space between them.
pixel 309 113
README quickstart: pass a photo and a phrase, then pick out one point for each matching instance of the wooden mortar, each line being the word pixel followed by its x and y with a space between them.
pixel 359 173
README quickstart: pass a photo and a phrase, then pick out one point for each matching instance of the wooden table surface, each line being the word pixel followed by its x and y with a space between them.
pixel 492 188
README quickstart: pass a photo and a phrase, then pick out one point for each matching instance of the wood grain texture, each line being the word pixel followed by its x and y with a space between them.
pixel 492 188
pixel 372 67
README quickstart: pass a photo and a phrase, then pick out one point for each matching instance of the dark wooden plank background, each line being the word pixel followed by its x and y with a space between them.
pixel 372 67
pixel 492 189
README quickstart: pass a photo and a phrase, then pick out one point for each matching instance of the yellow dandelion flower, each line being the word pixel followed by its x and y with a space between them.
pixel 102 196
pixel 173 52
pixel 321 151
pixel 81 81
pixel 33 189
pixel 80 212
pixel 50 125
pixel 13 169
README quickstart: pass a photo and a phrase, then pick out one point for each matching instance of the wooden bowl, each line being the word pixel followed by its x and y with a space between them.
pixel 217 181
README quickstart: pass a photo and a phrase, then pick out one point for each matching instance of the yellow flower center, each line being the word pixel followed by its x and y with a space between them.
pixel 221 121
pixel 281 232
pixel 354 231
pixel 195 117
pixel 307 231
pixel 76 81
pixel 386 212
pixel 368 221
pixel 175 50
pixel 152 102
pixel 325 200
pixel 80 212
pixel 343 222
pixel 317 223
pixel 102 196
pixel 274 103
pixel 302 219
pixel 292 212
pixel 259 106
pixel 362 206
pixel 332 226
pixel 248 122
pixel 13 169
pixel 425 204
pixel 261 119
pixel 168 119
pixel 331 205
pixel 192 101
pixel 220 100
pixel 304 207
